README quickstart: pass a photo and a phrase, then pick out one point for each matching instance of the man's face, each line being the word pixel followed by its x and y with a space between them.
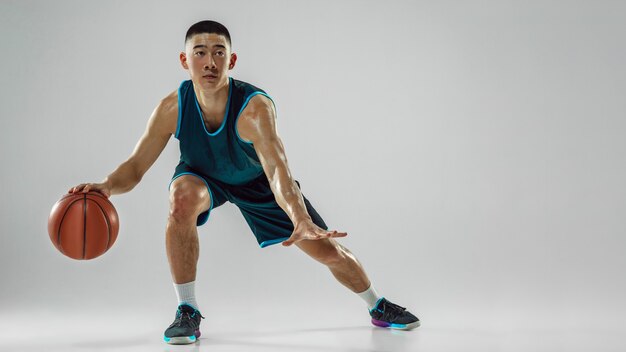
pixel 207 57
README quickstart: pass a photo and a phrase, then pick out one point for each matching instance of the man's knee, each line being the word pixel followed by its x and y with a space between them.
pixel 188 198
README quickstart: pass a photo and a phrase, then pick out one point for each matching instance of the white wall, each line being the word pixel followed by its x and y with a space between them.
pixel 474 151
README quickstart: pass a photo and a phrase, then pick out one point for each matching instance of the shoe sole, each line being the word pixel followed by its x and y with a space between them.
pixel 384 324
pixel 180 340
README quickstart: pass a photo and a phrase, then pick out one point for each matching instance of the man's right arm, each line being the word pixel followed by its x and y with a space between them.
pixel 126 176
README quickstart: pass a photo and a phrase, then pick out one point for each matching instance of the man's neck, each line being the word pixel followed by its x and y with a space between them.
pixel 212 98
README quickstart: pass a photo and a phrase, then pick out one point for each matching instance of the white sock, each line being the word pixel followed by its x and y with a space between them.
pixel 370 296
pixel 186 294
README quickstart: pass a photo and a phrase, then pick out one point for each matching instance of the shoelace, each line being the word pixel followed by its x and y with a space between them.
pixel 391 311
pixel 179 317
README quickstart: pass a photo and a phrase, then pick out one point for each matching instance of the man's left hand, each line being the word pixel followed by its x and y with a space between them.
pixel 307 230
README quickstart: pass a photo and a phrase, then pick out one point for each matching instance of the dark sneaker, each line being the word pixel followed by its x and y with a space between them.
pixel 186 326
pixel 388 315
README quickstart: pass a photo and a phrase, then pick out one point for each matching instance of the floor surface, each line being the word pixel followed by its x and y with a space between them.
pixel 137 333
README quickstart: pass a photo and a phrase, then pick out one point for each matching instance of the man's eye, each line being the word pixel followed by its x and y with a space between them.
pixel 199 53
pixel 219 53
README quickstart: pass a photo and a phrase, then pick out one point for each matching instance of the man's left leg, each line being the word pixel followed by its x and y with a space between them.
pixel 341 262
pixel 349 272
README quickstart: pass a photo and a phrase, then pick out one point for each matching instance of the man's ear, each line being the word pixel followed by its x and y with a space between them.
pixel 233 60
pixel 183 60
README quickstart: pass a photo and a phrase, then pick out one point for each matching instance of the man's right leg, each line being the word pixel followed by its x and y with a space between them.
pixel 189 197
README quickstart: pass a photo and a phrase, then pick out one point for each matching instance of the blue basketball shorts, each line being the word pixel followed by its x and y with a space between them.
pixel 255 199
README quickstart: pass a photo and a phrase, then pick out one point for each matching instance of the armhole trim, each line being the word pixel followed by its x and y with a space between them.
pixel 245 103
pixel 180 110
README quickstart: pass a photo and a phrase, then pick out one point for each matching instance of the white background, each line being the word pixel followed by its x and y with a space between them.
pixel 473 150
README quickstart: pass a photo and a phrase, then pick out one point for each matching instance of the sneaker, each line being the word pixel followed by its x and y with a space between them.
pixel 186 326
pixel 388 315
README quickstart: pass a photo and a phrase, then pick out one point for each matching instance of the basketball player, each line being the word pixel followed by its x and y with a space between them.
pixel 231 151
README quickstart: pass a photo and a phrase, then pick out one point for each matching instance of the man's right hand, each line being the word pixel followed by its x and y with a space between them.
pixel 103 188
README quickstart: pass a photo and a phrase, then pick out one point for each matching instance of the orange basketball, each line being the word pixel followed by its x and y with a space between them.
pixel 83 225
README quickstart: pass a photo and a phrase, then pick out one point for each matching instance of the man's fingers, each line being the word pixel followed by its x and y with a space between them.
pixel 317 235
pixel 324 234
pixel 90 187
pixel 336 234
pixel 79 188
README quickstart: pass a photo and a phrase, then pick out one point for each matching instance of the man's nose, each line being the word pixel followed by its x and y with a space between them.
pixel 209 64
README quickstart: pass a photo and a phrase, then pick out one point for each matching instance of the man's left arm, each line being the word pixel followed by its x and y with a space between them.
pixel 257 124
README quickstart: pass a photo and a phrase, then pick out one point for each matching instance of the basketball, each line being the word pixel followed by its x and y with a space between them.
pixel 83 225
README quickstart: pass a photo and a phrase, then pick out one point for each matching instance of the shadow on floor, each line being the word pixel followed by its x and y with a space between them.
pixel 335 339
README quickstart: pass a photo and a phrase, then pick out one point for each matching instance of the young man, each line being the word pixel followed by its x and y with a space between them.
pixel 230 151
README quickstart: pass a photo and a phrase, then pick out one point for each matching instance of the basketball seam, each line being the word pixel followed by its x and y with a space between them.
pixel 61 225
pixel 106 218
pixel 85 226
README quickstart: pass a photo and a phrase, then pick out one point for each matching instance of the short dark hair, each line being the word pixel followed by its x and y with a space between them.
pixel 208 27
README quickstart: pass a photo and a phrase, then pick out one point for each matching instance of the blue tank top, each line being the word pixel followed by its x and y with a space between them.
pixel 221 155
